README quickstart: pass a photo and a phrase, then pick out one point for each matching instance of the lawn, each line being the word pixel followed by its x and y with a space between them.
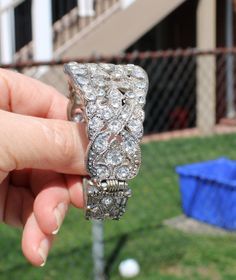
pixel 163 253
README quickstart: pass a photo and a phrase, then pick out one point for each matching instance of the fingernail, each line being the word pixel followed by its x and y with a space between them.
pixel 59 213
pixel 43 250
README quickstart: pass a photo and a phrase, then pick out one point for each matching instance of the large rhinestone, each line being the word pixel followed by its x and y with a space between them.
pixel 101 142
pixel 139 73
pixel 115 98
pixel 105 112
pixel 89 93
pixel 130 145
pixel 126 111
pixel 136 127
pixel 114 157
pixel 102 171
pixel 115 126
pixel 82 81
pixel 142 84
pixel 95 123
pixel 122 172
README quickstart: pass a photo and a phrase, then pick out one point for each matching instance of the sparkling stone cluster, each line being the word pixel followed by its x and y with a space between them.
pixel 114 96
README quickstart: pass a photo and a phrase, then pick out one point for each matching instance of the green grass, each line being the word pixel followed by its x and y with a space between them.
pixel 163 253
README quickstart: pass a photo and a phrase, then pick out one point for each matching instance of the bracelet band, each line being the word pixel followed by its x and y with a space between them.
pixel 109 98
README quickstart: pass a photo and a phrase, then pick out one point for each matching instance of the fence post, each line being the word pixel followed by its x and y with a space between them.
pixel 206 67
pixel 98 250
pixel 229 61
pixel 42 30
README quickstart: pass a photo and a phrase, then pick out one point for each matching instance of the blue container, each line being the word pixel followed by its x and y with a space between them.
pixel 208 191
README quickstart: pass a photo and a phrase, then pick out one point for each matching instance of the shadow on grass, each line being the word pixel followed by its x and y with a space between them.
pixel 121 242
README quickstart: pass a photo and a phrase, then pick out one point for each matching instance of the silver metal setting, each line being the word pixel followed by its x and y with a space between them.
pixel 110 99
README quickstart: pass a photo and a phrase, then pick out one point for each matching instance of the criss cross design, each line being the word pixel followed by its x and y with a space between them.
pixel 109 98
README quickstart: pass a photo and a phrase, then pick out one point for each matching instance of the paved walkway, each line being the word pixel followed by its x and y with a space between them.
pixel 189 225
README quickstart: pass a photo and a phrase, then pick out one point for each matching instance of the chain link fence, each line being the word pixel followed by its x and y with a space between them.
pixel 186 121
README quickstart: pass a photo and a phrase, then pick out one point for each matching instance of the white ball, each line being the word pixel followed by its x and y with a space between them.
pixel 129 268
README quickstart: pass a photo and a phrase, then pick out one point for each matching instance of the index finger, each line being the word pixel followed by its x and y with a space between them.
pixel 24 95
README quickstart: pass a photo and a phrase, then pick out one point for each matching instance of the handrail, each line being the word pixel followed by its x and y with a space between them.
pixel 71 27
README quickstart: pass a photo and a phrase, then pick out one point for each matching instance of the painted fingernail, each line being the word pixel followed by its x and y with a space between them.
pixel 59 213
pixel 43 250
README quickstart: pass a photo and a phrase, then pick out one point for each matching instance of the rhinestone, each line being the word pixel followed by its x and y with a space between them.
pixel 136 127
pixel 141 84
pixel 100 92
pixel 107 67
pixel 115 98
pixel 92 190
pixel 107 201
pixel 117 75
pixel 78 117
pixel 99 82
pixel 91 109
pixel 116 103
pixel 130 94
pixel 130 67
pixel 89 93
pixel 95 123
pixel 82 80
pixel 92 67
pixel 101 142
pixel 130 145
pixel 124 85
pixel 79 70
pixel 138 73
pixel 135 124
pixel 139 113
pixel 102 171
pixel 105 112
pixel 115 94
pixel 101 74
pixel 114 157
pixel 124 115
pixel 122 172
pixel 115 126
pixel 141 100
pixel 125 112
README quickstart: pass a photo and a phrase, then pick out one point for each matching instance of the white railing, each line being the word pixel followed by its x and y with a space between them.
pixel 48 38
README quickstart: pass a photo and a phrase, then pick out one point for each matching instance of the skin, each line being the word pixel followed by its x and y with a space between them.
pixel 41 161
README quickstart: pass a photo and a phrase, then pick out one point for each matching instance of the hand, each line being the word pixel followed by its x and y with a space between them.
pixel 38 148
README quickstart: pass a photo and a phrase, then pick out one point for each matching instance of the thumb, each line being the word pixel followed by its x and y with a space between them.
pixel 30 142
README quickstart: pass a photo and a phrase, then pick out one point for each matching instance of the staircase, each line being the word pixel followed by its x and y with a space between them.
pixel 114 28
pixel 109 32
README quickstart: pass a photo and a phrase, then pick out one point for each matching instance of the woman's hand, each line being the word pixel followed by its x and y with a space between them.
pixel 38 148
